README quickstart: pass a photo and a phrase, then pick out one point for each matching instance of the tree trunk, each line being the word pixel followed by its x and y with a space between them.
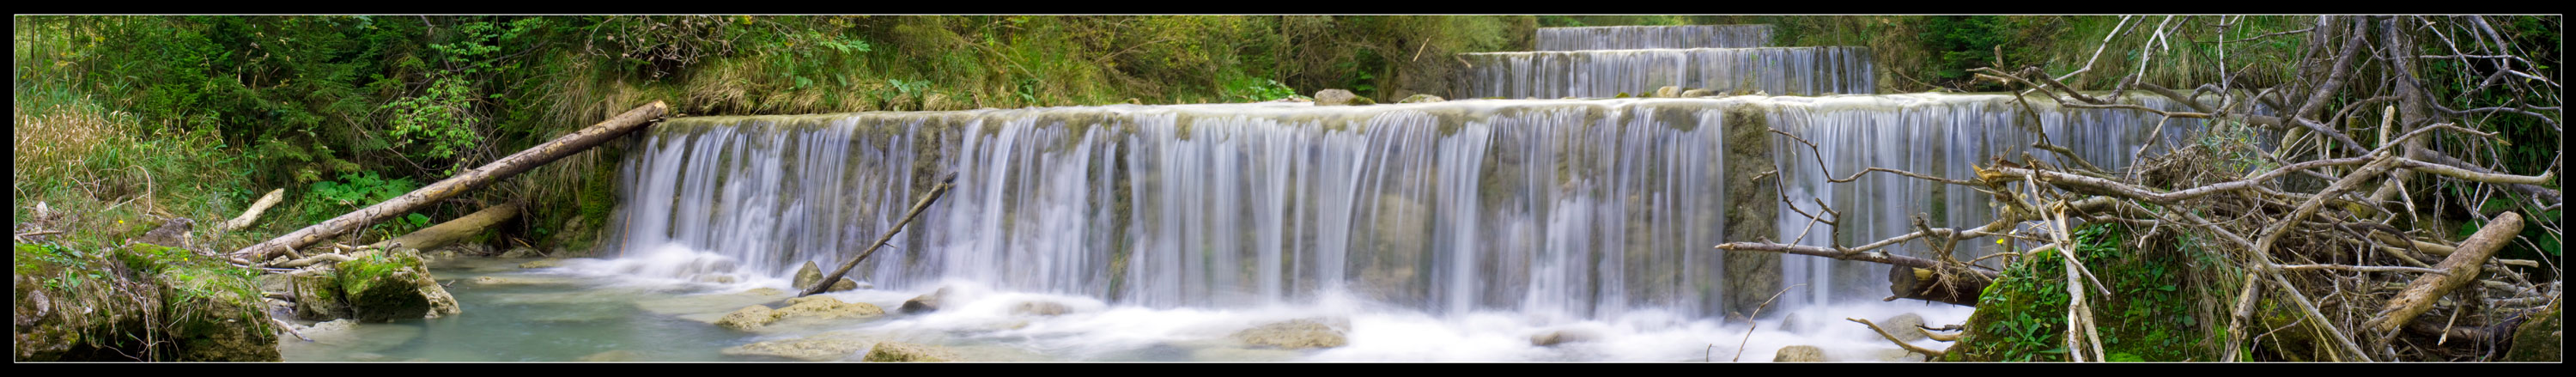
pixel 514 164
pixel 449 232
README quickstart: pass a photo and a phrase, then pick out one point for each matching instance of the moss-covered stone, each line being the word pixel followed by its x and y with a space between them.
pixel 2538 339
pixel 317 295
pixel 215 313
pixel 382 287
pixel 136 303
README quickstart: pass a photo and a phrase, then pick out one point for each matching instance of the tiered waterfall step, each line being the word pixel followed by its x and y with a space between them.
pixel 1637 37
pixel 1610 73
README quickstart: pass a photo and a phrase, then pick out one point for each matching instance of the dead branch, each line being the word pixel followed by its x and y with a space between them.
pixel 1928 353
pixel 2461 267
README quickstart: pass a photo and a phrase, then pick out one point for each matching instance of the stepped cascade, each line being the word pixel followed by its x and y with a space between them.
pixel 1639 37
pixel 1558 208
pixel 1610 73
pixel 1612 61
pixel 1574 208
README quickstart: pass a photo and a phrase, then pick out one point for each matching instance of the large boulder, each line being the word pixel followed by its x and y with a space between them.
pixel 384 286
pixel 1294 334
pixel 925 303
pixel 1800 354
pixel 898 352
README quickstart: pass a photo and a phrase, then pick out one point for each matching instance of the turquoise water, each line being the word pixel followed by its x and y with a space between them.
pixel 590 310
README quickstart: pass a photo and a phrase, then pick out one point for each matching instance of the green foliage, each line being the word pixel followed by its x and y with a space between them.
pixel 2152 313
pixel 327 199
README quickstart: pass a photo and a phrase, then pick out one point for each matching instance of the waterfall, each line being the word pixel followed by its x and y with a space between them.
pixel 1561 208
pixel 1637 37
pixel 1638 72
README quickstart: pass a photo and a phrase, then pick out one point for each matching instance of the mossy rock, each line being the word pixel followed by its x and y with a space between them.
pixel 317 295
pixel 216 314
pixel 102 306
pixel 2538 338
pixel 67 306
pixel 382 287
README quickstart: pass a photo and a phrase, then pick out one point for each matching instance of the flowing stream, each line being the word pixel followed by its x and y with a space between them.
pixel 1449 231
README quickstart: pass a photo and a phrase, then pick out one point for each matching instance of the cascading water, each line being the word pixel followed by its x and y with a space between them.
pixel 1638 72
pixel 1566 207
pixel 1941 135
pixel 1637 37
pixel 1555 208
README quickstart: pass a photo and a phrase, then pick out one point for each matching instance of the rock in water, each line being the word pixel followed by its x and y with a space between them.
pixel 1042 308
pixel 1422 98
pixel 1800 354
pixel 317 295
pixel 842 285
pixel 543 263
pixel 522 252
pixel 1668 92
pixel 925 303
pixel 823 347
pixel 382 287
pixel 895 352
pixel 748 318
pixel 1698 93
pixel 808 274
pixel 613 356
pixel 1553 338
pixel 1906 327
pixel 819 307
pixel 1294 334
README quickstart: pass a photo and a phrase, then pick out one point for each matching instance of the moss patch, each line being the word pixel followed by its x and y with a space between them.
pixel 2154 312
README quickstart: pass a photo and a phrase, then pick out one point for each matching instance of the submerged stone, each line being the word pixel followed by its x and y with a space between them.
pixel 835 346
pixel 1042 308
pixel 1294 334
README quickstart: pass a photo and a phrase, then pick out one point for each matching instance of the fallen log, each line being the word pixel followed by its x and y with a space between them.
pixel 451 231
pixel 835 276
pixel 514 164
pixel 2458 269
pixel 252 215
